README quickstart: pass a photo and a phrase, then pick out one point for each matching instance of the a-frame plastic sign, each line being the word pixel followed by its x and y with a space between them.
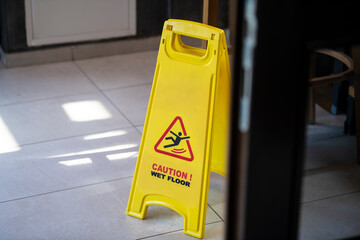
pixel 186 127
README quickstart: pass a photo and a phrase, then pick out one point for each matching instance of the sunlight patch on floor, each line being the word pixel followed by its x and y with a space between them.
pixel 97 150
pixel 119 156
pixel 85 111
pixel 8 142
pixel 74 162
pixel 105 135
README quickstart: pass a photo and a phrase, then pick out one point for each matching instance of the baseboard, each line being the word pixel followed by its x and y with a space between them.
pixel 78 52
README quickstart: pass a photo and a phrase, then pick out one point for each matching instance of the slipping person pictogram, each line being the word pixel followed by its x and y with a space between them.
pixel 171 144
pixel 176 141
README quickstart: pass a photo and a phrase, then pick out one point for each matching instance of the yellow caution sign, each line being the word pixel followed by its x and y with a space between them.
pixel 186 127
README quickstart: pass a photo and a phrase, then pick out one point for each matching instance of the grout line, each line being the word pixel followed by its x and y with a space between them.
pixel 339 195
pixel 129 86
pixel 66 189
pixel 105 96
pixel 138 131
pixel 137 126
pixel 326 169
pixel 216 213
pixel 49 98
pixel 75 136
pixel 160 234
pixel 309 143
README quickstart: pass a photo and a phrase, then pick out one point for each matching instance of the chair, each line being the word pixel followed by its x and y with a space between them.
pixel 332 78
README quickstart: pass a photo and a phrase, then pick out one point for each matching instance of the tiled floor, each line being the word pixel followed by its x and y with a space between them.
pixel 69 136
pixel 331 184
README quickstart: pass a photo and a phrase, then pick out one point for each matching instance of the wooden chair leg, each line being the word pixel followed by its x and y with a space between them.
pixel 356 61
pixel 210 14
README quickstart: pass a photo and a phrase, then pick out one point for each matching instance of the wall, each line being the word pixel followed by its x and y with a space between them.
pixel 150 18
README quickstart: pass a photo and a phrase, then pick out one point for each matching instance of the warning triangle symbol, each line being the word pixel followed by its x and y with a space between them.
pixel 175 142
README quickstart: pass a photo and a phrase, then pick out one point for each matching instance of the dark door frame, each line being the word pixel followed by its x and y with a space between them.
pixel 272 45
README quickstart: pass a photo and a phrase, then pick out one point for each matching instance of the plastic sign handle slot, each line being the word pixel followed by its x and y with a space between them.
pixel 176 49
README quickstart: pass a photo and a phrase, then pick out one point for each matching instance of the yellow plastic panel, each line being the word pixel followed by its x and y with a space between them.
pixel 220 134
pixel 173 167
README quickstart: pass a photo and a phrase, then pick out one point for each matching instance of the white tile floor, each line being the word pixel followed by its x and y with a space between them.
pixel 331 184
pixel 69 136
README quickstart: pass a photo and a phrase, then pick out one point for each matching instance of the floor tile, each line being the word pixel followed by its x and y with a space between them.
pixel 92 212
pixel 323 117
pixel 60 117
pixel 327 126
pixel 332 218
pixel 2 67
pixel 132 102
pixel 121 70
pixel 217 194
pixel 140 128
pixel 213 231
pixel 331 181
pixel 43 81
pixel 67 163
pixel 318 132
pixel 325 153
